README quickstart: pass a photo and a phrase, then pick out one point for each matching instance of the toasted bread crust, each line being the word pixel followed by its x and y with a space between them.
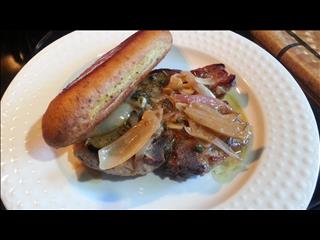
pixel 100 89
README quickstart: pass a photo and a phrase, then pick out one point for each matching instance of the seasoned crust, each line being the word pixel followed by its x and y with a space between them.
pixel 99 90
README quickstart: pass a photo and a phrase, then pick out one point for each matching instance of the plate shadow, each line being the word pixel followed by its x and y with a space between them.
pixel 36 146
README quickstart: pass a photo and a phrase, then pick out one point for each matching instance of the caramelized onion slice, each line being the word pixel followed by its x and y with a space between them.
pixel 131 142
pixel 225 124
pixel 214 102
pixel 206 134
pixel 189 78
pixel 199 87
pixel 205 81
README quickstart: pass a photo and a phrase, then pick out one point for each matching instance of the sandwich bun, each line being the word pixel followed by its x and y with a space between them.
pixel 89 99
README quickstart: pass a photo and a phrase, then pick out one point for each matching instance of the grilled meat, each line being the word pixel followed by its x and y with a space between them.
pixel 172 153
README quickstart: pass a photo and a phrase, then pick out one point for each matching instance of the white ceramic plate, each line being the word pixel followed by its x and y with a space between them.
pixel 285 144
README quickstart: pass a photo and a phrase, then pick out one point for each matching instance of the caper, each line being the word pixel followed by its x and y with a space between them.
pixel 138 94
pixel 142 101
pixel 152 77
pixel 180 120
pixel 199 148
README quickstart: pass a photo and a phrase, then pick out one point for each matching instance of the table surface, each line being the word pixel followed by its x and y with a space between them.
pixel 18 47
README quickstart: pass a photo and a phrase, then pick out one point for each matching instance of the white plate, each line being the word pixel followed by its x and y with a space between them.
pixel 286 141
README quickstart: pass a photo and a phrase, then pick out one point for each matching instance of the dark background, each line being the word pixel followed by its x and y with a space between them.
pixel 18 47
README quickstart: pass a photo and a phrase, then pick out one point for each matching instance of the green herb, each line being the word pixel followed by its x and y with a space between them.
pixel 199 148
pixel 163 82
pixel 140 93
pixel 159 79
pixel 152 77
pixel 180 120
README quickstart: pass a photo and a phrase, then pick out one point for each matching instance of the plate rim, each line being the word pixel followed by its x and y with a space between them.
pixel 60 41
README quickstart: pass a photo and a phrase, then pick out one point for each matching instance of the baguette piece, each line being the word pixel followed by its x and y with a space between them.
pixel 102 87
